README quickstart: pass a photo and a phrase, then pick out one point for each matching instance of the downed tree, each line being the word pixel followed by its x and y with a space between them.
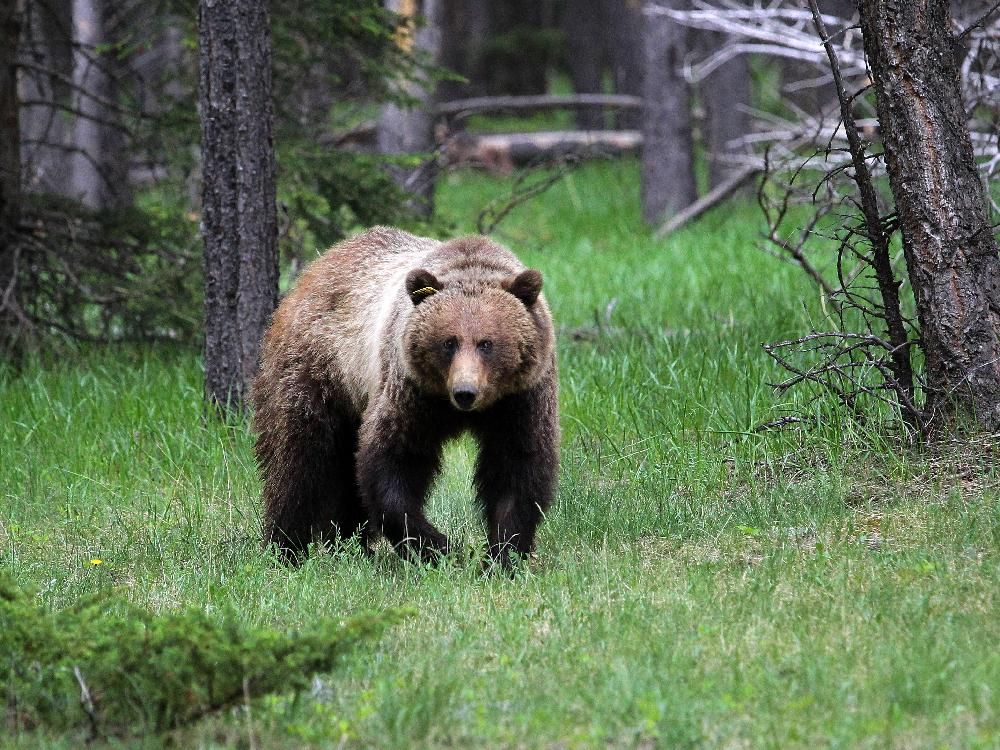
pixel 951 253
pixel 461 108
pixel 504 151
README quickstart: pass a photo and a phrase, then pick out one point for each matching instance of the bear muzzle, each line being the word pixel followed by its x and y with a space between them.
pixel 464 396
pixel 466 382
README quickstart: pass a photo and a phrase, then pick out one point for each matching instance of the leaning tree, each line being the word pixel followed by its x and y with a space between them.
pixel 951 252
pixel 913 289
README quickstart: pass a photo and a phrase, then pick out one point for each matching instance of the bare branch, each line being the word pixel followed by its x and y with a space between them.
pixel 521 191
pixel 461 108
pixel 711 199
pixel 882 264
pixel 981 21
pixel 75 111
pixel 82 90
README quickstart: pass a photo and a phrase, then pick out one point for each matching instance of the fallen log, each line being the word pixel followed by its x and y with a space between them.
pixel 460 108
pixel 504 151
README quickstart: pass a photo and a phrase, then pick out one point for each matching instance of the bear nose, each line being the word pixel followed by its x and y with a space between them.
pixel 464 396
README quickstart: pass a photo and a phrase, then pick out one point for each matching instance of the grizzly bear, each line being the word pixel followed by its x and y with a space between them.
pixel 388 346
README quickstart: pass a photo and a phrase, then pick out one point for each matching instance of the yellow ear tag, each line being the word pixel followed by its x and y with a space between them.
pixel 426 291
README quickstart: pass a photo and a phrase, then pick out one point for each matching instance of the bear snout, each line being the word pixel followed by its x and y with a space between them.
pixel 464 396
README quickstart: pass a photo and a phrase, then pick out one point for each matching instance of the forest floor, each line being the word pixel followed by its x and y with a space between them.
pixel 699 583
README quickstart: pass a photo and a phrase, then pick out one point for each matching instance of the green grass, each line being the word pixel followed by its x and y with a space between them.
pixel 698 584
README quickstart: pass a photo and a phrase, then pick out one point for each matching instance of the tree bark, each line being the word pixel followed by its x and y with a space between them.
pixel 409 130
pixel 10 179
pixel 668 183
pixel 950 250
pixel 239 221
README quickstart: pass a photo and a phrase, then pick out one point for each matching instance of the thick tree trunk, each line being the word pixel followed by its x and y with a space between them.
pixel 118 23
pixel 10 179
pixel 410 130
pixel 92 184
pixel 951 253
pixel 667 150
pixel 239 221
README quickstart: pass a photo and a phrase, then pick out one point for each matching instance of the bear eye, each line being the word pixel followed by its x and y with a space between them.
pixel 485 346
pixel 450 346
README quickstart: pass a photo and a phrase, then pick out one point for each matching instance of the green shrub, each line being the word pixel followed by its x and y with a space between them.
pixel 113 669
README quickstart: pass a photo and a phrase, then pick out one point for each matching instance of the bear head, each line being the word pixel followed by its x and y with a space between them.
pixel 475 343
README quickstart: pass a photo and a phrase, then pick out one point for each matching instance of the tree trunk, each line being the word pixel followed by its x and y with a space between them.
pixel 239 221
pixel 626 55
pixel 91 183
pixel 10 179
pixel 950 250
pixel 465 26
pixel 118 23
pixel 605 36
pixel 516 57
pixel 583 27
pixel 667 151
pixel 47 39
pixel 725 95
pixel 410 130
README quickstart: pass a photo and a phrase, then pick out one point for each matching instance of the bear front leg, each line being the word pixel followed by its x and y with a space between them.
pixel 395 480
pixel 394 493
pixel 516 470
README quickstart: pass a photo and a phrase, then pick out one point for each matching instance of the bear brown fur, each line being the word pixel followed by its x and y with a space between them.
pixel 388 346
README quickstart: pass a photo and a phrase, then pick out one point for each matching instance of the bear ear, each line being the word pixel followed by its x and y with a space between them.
pixel 526 286
pixel 421 284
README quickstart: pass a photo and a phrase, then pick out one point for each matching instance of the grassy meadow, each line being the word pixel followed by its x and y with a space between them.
pixel 697 584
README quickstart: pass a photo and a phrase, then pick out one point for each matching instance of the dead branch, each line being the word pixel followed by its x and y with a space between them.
pixel 522 190
pixel 83 91
pixel 99 168
pixel 981 21
pixel 708 201
pixel 75 111
pixel 87 703
pixel 882 263
pixel 839 364
pixel 784 29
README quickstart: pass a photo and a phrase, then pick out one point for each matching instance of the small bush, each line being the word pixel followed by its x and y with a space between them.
pixel 113 669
